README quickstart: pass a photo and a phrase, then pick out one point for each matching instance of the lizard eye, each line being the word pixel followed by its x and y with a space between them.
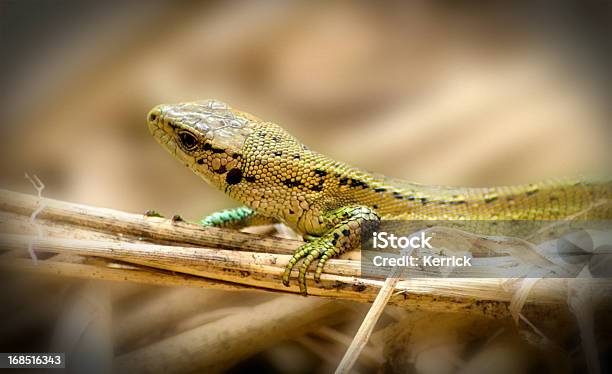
pixel 188 141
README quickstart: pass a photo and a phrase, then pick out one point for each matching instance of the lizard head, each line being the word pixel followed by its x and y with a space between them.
pixel 207 136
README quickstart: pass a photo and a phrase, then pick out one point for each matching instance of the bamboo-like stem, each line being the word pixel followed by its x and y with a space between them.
pixel 217 258
pixel 367 326
pixel 136 274
pixel 138 226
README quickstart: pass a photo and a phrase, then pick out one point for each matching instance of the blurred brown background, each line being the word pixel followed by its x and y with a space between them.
pixel 435 92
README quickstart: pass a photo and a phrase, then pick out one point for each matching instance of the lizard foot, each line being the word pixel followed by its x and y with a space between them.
pixel 152 213
pixel 345 235
pixel 309 252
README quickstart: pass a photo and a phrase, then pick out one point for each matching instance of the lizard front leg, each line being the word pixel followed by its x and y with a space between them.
pixel 345 234
pixel 237 218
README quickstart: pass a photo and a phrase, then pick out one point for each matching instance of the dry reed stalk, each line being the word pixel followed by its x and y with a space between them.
pixel 217 258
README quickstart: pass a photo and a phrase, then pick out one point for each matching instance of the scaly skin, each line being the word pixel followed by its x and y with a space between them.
pixel 279 179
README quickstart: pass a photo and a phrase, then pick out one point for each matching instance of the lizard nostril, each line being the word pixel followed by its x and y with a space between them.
pixel 154 115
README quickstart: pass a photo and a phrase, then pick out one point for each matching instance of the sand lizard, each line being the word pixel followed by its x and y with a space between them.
pixel 279 179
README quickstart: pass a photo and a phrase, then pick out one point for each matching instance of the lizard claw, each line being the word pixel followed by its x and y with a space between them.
pixel 152 213
pixel 309 252
pixel 321 264
pixel 301 252
pixel 312 255
pixel 345 235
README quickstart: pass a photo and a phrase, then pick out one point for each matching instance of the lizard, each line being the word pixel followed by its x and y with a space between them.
pixel 279 179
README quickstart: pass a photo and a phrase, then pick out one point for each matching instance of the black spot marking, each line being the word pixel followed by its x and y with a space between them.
pixel 221 170
pixel 379 189
pixel 200 161
pixel 532 192
pixel 217 150
pixel 290 183
pixel 250 178
pixel 343 181
pixel 236 155
pixel 207 147
pixel 457 202
pixel 423 200
pixel 336 236
pixel 276 138
pixel 291 211
pixel 554 199
pixel 261 134
pixel 319 187
pixel 278 153
pixel 297 157
pixel 358 183
pixel 375 206
pixel 490 199
pixel 304 148
pixel 234 176
pixel 411 198
pixel 346 232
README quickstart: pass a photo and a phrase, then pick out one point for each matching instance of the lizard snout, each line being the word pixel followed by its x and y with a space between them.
pixel 153 118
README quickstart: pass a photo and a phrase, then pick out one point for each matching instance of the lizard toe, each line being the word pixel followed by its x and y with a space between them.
pixel 301 252
pixel 313 255
pixel 321 264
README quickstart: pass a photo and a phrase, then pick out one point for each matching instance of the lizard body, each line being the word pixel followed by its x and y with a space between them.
pixel 278 179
